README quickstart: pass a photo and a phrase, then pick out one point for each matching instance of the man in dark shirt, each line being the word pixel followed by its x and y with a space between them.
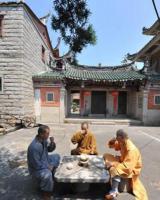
pixel 40 164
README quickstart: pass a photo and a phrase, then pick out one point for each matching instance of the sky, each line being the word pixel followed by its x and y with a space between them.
pixel 118 25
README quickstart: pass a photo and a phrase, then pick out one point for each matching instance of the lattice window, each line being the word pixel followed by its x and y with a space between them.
pixel 50 96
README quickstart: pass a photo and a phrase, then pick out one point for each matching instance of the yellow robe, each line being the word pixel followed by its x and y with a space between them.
pixel 130 166
pixel 86 144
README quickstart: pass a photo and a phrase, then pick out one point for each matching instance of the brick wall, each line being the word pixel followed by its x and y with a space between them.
pixel 151 96
pixel 56 102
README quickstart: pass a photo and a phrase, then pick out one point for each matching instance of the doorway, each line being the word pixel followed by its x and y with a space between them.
pixel 75 102
pixel 122 103
pixel 98 102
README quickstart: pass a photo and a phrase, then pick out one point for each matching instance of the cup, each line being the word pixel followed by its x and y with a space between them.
pixel 51 139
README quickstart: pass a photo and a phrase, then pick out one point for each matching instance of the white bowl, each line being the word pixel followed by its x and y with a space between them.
pixel 83 158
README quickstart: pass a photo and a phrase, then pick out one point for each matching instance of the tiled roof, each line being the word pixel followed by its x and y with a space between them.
pixel 56 75
pixel 111 74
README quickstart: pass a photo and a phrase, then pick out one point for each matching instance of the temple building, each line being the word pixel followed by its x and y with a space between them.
pixel 150 56
pixel 102 92
pixel 36 81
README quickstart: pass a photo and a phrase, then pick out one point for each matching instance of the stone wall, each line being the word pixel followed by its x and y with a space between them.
pixel 11 61
pixel 132 104
pixel 151 112
pixel 20 58
pixel 33 64
pixel 110 107
pixel 53 111
pixel 139 105
pixel 50 115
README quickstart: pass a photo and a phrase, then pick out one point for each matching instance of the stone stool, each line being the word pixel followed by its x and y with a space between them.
pixel 80 187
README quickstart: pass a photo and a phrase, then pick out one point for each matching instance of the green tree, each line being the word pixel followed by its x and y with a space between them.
pixel 71 20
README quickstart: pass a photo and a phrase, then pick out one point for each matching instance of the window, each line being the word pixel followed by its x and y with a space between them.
pixel 157 99
pixel 1 84
pixel 43 54
pixel 1 25
pixel 50 97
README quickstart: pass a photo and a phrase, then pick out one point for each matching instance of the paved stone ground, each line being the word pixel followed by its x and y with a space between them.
pixel 15 184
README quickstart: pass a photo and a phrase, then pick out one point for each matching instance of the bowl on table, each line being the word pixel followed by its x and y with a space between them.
pixel 83 160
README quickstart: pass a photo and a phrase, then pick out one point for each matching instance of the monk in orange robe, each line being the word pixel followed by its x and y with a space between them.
pixel 127 165
pixel 85 140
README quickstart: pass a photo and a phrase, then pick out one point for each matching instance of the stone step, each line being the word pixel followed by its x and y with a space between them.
pixel 103 121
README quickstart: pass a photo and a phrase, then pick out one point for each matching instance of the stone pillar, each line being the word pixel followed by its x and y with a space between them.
pixel 145 107
pixel 62 104
pixel 68 103
pixel 81 102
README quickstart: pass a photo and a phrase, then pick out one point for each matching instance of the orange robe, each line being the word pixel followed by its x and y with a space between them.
pixel 86 144
pixel 130 166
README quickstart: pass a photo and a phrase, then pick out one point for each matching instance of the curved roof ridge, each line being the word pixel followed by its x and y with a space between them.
pixel 103 68
pixel 94 75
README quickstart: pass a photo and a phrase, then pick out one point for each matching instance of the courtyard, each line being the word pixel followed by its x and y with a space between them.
pixel 16 184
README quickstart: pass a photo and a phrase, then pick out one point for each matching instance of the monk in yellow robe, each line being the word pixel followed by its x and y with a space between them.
pixel 85 140
pixel 127 165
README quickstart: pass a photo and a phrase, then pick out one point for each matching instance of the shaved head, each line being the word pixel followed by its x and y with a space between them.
pixel 122 134
pixel 84 125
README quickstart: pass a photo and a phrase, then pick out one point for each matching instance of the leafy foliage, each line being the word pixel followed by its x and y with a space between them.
pixel 71 20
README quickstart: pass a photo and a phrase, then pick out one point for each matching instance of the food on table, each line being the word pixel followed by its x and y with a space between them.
pixel 69 166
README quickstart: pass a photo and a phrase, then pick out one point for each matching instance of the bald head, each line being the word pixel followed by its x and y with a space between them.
pixel 121 135
pixel 84 125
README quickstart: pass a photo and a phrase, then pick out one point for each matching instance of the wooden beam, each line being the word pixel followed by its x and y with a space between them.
pixel 156 50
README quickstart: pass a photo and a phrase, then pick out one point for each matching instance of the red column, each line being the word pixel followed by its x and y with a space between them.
pixel 83 101
pixel 115 101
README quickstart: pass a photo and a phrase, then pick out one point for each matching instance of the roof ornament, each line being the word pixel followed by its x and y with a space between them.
pixel 63 61
pixel 99 64
pixel 67 58
pixel 69 54
pixel 58 43
pixel 20 1
pixel 44 19
pixel 144 29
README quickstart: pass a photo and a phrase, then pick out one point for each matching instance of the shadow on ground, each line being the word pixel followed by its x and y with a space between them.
pixel 16 184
